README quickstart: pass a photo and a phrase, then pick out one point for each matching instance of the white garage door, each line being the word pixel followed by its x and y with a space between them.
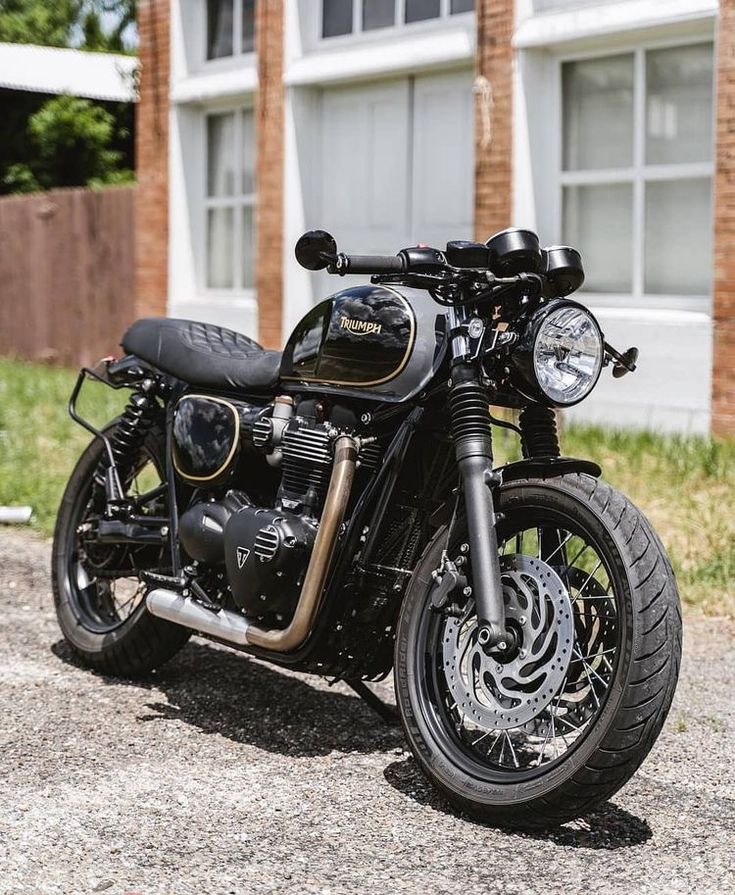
pixel 397 163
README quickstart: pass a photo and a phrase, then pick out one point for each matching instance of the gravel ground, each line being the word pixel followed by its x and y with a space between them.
pixel 223 775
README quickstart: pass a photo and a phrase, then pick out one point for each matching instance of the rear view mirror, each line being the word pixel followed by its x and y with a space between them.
pixel 316 249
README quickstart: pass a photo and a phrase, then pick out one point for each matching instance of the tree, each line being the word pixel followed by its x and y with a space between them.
pixel 72 145
pixel 107 24
pixel 39 22
pixel 62 141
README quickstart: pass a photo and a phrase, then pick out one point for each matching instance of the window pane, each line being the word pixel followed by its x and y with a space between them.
pixel 248 152
pixel 598 113
pixel 462 6
pixel 248 26
pixel 221 155
pixel 336 17
pixel 220 244
pixel 597 221
pixel 678 237
pixel 248 248
pixel 378 14
pixel 679 105
pixel 219 28
pixel 418 10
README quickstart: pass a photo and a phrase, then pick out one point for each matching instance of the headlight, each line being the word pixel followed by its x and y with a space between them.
pixel 561 356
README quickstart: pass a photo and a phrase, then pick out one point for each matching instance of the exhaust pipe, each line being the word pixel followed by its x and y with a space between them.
pixel 233 628
pixel 224 625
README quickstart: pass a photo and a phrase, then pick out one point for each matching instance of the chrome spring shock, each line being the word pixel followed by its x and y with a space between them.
pixel 539 435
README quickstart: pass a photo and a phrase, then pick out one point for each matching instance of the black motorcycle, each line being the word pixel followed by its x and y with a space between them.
pixel 335 509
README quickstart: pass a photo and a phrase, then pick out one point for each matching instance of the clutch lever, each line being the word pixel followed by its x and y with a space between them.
pixel 624 363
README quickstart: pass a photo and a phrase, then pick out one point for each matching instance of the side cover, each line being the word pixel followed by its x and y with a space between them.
pixel 375 342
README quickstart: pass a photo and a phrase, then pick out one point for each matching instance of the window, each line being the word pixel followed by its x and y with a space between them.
pixel 230 200
pixel 340 17
pixel 230 28
pixel 637 169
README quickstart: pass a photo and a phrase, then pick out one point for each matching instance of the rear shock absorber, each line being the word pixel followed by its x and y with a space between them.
pixel 539 435
pixel 134 424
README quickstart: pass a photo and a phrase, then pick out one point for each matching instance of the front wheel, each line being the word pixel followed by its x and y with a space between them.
pixel 563 718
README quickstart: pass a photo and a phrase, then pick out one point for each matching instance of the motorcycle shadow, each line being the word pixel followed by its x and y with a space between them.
pixel 608 828
pixel 221 692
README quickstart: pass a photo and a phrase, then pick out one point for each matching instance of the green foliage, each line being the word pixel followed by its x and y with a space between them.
pixel 103 25
pixel 38 22
pixel 58 142
pixel 72 141
pixel 107 24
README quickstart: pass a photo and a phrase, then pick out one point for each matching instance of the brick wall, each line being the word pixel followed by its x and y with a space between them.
pixel 493 116
pixel 269 114
pixel 151 213
pixel 723 382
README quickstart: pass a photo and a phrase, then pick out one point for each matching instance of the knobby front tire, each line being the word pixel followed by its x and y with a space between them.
pixel 623 726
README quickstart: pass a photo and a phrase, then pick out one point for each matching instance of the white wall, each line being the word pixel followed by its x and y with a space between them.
pixel 671 390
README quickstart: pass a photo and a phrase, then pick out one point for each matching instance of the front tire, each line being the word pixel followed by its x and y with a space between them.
pixel 630 616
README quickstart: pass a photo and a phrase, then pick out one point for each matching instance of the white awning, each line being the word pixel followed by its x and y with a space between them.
pixel 105 76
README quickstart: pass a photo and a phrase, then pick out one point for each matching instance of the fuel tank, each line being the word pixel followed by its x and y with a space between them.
pixel 381 343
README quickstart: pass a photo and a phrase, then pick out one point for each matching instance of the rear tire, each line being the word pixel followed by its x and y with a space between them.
pixel 141 642
pixel 635 703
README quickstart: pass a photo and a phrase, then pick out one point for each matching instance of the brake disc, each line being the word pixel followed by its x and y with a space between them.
pixel 502 693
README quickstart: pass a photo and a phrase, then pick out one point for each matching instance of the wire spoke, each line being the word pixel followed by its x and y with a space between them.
pixel 576 705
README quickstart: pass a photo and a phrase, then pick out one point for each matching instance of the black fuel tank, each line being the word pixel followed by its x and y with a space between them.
pixel 379 342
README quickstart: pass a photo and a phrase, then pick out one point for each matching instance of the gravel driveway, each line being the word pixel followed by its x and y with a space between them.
pixel 223 775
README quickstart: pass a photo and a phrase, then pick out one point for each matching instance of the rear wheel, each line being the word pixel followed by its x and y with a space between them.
pixel 564 717
pixel 99 598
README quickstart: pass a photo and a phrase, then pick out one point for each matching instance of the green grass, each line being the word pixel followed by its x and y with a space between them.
pixel 39 443
pixel 685 485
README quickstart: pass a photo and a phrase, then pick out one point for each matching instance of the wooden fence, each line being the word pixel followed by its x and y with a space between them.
pixel 67 270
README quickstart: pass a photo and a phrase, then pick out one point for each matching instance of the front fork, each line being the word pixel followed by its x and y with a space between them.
pixel 469 409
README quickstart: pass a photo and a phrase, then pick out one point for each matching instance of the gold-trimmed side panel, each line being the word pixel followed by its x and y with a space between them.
pixel 401 367
pixel 233 449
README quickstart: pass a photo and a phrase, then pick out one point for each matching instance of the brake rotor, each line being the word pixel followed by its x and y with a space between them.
pixel 506 692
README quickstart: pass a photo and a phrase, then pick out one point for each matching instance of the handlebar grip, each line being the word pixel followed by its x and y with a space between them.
pixel 366 264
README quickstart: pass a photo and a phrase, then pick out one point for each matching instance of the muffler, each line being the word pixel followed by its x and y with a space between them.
pixel 233 628
pixel 224 625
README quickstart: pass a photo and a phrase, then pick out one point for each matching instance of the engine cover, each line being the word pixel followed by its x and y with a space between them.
pixel 266 554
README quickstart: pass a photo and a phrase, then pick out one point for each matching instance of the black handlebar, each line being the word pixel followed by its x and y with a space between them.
pixel 368 264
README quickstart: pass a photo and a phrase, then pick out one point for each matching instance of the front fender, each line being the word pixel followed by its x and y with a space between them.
pixel 545 468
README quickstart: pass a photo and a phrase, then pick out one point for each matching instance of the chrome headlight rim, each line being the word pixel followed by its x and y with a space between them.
pixel 524 374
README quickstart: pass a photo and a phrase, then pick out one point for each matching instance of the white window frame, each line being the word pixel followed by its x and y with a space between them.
pixel 638 174
pixel 399 26
pixel 238 53
pixel 237 202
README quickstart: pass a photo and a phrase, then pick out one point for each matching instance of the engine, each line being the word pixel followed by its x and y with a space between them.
pixel 266 550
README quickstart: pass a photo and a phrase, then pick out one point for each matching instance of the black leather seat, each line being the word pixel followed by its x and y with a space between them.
pixel 203 354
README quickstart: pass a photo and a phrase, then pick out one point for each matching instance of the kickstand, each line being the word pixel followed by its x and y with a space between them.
pixel 387 712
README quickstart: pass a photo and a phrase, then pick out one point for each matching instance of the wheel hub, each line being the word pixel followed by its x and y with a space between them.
pixel 505 691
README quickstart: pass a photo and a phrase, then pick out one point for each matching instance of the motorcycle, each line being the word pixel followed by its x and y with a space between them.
pixel 335 509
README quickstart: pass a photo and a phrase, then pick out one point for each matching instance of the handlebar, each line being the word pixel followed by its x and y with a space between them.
pixel 368 264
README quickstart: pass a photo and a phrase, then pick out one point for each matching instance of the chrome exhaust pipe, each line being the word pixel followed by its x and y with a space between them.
pixel 227 626
pixel 233 628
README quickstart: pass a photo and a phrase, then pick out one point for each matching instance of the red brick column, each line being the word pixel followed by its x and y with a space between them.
pixel 269 117
pixel 151 212
pixel 493 116
pixel 723 382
